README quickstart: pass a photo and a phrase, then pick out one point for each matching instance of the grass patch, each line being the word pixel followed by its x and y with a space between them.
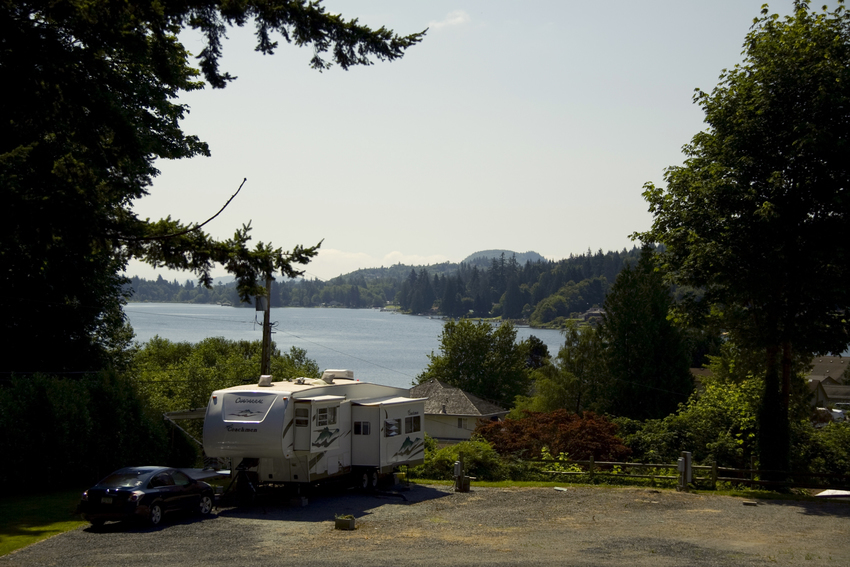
pixel 754 494
pixel 27 519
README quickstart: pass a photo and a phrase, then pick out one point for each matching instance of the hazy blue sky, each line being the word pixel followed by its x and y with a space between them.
pixel 524 126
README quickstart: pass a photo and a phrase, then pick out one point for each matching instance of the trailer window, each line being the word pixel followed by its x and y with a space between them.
pixel 392 427
pixel 302 417
pixel 362 428
pixel 326 416
pixel 411 424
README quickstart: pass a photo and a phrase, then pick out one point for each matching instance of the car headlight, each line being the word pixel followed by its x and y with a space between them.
pixel 85 496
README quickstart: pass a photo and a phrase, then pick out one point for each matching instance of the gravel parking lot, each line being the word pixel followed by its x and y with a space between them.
pixel 431 525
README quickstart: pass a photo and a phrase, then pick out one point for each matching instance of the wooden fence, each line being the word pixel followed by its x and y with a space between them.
pixel 709 477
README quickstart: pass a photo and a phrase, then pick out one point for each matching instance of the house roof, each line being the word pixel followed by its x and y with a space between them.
pixel 836 393
pixel 444 399
pixel 825 379
pixel 829 366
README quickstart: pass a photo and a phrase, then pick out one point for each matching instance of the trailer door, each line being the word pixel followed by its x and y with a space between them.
pixel 365 436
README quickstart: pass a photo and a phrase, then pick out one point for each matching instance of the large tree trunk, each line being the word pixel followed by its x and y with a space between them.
pixel 786 375
pixel 774 434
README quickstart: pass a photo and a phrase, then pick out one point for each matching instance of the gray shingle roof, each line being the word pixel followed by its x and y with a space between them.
pixel 832 366
pixel 449 400
pixel 835 393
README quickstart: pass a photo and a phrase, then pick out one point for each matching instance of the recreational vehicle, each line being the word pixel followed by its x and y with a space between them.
pixel 309 430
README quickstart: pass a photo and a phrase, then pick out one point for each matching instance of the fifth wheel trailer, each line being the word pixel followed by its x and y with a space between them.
pixel 309 430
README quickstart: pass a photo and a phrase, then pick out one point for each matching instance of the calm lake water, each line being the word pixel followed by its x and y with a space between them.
pixel 379 346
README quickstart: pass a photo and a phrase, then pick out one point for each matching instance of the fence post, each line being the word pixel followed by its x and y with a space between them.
pixel 685 474
pixel 714 475
pixel 590 469
pixel 752 470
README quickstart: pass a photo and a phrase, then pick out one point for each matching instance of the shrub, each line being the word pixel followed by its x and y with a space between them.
pixel 581 436
pixel 479 458
pixel 824 450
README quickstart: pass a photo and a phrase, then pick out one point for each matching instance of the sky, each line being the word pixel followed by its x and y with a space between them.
pixel 518 126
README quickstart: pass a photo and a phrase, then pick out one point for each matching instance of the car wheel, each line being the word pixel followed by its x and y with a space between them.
pixel 155 514
pixel 206 504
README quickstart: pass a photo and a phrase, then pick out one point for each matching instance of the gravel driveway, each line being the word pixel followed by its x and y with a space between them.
pixel 431 525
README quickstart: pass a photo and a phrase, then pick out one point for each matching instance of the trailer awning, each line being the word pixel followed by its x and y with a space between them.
pixel 196 413
pixel 326 398
pixel 390 400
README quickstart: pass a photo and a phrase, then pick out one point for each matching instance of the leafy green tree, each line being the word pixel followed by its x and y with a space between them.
pixel 174 376
pixel 757 213
pixel 718 424
pixel 647 356
pixel 92 109
pixel 575 380
pixel 480 359
pixel 536 352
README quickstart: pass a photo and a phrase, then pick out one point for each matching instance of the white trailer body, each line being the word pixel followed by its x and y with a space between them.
pixel 308 430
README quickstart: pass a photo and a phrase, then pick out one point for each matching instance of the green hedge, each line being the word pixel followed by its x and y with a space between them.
pixel 61 432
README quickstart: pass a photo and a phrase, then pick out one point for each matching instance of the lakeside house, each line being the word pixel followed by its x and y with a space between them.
pixel 452 414
pixel 825 381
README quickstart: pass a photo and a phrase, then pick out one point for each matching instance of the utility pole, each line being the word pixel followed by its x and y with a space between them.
pixel 265 364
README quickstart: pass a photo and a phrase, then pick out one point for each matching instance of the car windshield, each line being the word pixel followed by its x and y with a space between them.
pixel 125 479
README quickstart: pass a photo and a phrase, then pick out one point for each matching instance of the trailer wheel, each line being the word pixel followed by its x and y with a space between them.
pixel 369 479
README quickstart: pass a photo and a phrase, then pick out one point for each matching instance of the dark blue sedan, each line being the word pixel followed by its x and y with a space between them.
pixel 144 493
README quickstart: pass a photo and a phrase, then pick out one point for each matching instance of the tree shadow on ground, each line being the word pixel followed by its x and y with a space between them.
pixel 324 503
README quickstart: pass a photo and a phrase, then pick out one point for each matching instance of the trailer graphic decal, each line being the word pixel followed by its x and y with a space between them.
pixel 246 413
pixel 311 464
pixel 409 448
pixel 326 437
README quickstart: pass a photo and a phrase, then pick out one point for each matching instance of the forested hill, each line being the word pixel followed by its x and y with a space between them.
pixel 543 292
pixel 483 258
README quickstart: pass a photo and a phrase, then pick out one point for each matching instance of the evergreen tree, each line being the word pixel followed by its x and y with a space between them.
pixel 512 300
pixel 94 105
pixel 647 356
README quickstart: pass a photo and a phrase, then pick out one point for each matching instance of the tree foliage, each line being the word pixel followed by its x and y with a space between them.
pixel 94 105
pixel 756 214
pixel 581 436
pixel 575 380
pixel 180 375
pixel 646 354
pixel 73 432
pixel 481 359
pixel 480 460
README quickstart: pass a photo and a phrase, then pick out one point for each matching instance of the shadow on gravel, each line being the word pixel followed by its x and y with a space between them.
pixel 326 503
pixel 826 508
pixel 176 518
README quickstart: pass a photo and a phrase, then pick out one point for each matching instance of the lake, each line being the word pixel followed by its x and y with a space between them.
pixel 379 346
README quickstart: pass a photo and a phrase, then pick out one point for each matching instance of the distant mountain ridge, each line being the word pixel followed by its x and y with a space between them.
pixel 521 258
pixel 481 259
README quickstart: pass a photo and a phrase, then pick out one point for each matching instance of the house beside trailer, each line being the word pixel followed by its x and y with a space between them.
pixel 309 430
